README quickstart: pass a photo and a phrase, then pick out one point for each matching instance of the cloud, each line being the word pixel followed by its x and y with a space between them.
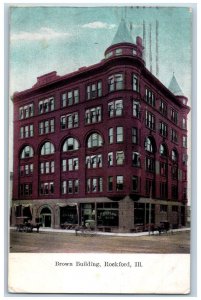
pixel 98 25
pixel 44 33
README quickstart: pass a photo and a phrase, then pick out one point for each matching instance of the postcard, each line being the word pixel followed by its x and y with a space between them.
pixel 100 149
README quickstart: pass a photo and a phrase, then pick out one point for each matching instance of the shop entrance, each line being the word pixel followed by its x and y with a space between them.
pixel 46 217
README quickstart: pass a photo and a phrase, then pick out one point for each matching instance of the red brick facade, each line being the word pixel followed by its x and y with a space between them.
pixel 101 143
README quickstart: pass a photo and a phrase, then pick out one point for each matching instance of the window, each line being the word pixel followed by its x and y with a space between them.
pixel 110 183
pixel 108 214
pixel 163 190
pixel 94 185
pixel 120 157
pixel 111 135
pixel 174 136
pixel 134 135
pixel 174 115
pixel 25 189
pixel 46 105
pixel 115 82
pixel 94 161
pixel 174 192
pixel 69 121
pixel 174 172
pixel 70 144
pixel 118 51
pixel 26 170
pixel 69 98
pixel 110 159
pixel 150 164
pixel 47 148
pixel 136 83
pixel 120 183
pixel 174 155
pixel 163 129
pixel 136 159
pixel 163 169
pixel 109 54
pixel 163 150
pixel 115 108
pixel 134 52
pixel 93 115
pixel 26 131
pixel 149 145
pixel 149 187
pixel 136 109
pixel 46 126
pixel 163 208
pixel 47 167
pixel 120 135
pixel 135 183
pixel 150 97
pixel 184 123
pixel 94 140
pixel 26 111
pixel 27 152
pixel 46 188
pixel 184 141
pixel 163 107
pixel 150 120
pixel 184 158
pixel 94 90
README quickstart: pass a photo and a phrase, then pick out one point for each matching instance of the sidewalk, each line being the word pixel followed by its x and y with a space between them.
pixel 108 233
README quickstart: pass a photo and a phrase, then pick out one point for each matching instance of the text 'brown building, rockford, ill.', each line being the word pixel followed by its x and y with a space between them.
pixel 106 143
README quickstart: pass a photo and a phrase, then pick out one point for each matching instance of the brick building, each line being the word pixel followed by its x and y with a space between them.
pixel 106 143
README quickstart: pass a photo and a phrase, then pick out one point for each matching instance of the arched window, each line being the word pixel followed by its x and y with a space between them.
pixel 149 145
pixel 47 148
pixel 174 155
pixel 70 144
pixel 163 150
pixel 94 140
pixel 26 152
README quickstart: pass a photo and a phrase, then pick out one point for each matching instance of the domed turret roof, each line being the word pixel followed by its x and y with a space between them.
pixel 174 87
pixel 122 35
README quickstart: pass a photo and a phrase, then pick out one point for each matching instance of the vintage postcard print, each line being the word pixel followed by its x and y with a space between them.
pixel 100 158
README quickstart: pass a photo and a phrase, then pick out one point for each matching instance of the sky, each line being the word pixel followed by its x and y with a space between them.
pixel 63 39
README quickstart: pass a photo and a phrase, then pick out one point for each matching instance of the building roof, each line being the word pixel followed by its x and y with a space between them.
pixel 174 87
pixel 122 35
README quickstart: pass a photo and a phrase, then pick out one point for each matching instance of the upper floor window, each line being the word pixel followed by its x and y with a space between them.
pixel 26 169
pixel 149 145
pixel 174 115
pixel 111 135
pixel 136 83
pixel 163 107
pixel 94 90
pixel 93 115
pixel 184 123
pixel 46 188
pixel 26 131
pixel 115 82
pixel 174 136
pixel 47 167
pixel 184 158
pixel 94 161
pixel 120 134
pixel 150 164
pixel 150 120
pixel 134 135
pixel 163 129
pixel 115 108
pixel 163 168
pixel 69 98
pixel 136 159
pixel 163 150
pixel 69 121
pixel 136 109
pixel 46 105
pixel 70 144
pixel 46 126
pixel 120 183
pixel 26 111
pixel 27 152
pixel 94 140
pixel 109 54
pixel 118 51
pixel 25 189
pixel 95 184
pixel 120 157
pixel 174 155
pixel 150 97
pixel 184 141
pixel 47 148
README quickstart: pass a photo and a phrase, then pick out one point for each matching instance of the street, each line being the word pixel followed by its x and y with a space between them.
pixel 65 242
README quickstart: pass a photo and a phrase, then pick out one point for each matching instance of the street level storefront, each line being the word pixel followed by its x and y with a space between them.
pixel 100 214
